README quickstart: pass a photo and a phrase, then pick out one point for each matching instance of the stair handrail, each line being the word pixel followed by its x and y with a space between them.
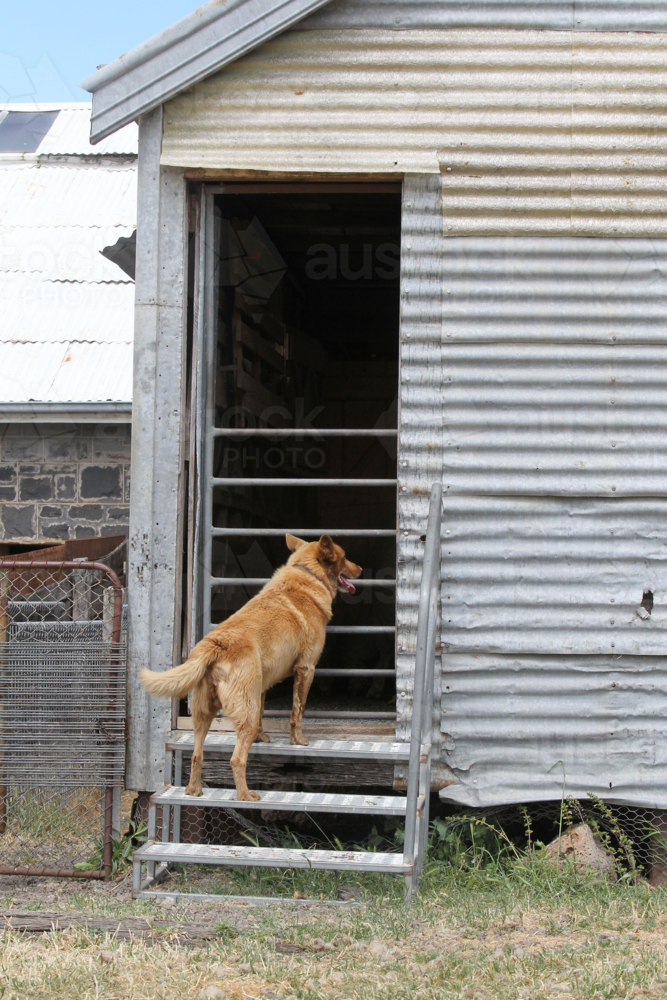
pixel 421 726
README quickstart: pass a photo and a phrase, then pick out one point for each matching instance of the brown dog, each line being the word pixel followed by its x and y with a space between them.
pixel 279 632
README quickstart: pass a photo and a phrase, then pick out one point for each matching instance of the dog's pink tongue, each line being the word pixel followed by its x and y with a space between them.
pixel 344 582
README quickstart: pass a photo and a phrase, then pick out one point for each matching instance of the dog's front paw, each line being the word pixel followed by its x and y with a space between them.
pixel 193 790
pixel 248 797
pixel 298 741
pixel 262 737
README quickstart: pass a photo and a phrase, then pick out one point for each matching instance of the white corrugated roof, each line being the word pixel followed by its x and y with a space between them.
pixel 70 133
pixel 70 372
pixel 66 312
pixel 68 194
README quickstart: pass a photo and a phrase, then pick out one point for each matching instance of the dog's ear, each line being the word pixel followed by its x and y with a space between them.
pixel 294 543
pixel 327 549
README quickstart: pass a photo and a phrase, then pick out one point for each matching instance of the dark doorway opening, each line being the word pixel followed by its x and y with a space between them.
pixel 307 338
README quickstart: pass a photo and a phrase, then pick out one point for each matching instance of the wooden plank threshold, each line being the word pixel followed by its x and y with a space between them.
pixel 356 729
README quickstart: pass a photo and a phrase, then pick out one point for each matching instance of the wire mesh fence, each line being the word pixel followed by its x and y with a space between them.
pixel 62 715
pixel 636 835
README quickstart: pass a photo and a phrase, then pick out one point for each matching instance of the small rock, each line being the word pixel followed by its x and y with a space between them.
pixel 106 956
pixel 246 967
pixel 211 992
pixel 337 977
pixel 579 844
pixel 168 904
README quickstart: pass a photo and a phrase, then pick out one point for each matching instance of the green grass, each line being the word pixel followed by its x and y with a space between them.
pixel 515 928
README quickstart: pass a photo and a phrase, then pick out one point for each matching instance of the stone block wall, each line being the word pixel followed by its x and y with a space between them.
pixel 60 481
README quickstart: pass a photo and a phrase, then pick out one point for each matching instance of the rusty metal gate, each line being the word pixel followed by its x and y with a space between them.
pixel 62 716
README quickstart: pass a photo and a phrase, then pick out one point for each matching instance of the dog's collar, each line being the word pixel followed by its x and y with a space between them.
pixel 306 570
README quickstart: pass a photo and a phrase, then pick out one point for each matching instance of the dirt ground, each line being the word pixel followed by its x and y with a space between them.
pixel 469 935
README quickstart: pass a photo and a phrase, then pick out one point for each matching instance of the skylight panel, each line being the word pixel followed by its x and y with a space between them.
pixel 23 131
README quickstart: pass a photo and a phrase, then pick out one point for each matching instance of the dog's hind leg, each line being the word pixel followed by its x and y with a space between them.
pixel 245 737
pixel 262 737
pixel 202 716
pixel 303 678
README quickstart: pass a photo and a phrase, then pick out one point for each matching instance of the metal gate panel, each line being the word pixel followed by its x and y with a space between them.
pixel 516 729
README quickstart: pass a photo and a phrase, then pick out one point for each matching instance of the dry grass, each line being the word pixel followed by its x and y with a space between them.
pixel 515 932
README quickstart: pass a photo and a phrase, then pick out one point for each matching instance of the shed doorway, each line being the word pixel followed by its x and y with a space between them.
pixel 304 320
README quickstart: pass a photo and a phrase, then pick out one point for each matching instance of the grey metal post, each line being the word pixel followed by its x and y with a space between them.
pixel 178 781
pixel 431 565
pixel 151 834
pixel 156 507
pixel 427 726
pixel 207 403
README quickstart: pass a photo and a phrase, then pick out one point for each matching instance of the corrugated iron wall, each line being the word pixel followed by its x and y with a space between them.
pixel 533 350
pixel 420 414
pixel 554 396
pixel 517 727
pixel 534 131
pixel 563 15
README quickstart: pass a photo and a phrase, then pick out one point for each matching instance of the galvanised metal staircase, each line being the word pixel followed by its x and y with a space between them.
pixel 413 806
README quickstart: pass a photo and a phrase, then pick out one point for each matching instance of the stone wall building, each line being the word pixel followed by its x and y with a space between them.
pixel 67 219
pixel 60 481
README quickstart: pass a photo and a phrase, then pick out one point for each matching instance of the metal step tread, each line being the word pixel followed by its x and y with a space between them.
pixel 273 857
pixel 280 745
pixel 389 805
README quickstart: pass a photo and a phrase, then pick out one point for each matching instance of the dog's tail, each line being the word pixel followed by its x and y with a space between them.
pixel 180 680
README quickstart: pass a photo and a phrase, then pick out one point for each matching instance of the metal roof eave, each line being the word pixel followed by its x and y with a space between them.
pixel 178 57
pixel 53 412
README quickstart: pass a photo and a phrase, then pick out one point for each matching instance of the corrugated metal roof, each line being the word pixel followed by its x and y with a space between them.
pixel 544 131
pixel 580 15
pixel 67 312
pixel 38 311
pixel 93 195
pixel 65 372
pixel 70 135
pixel 68 254
pixel 517 727
pixel 197 45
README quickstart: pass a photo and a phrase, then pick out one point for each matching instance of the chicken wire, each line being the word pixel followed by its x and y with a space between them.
pixel 637 835
pixel 62 715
